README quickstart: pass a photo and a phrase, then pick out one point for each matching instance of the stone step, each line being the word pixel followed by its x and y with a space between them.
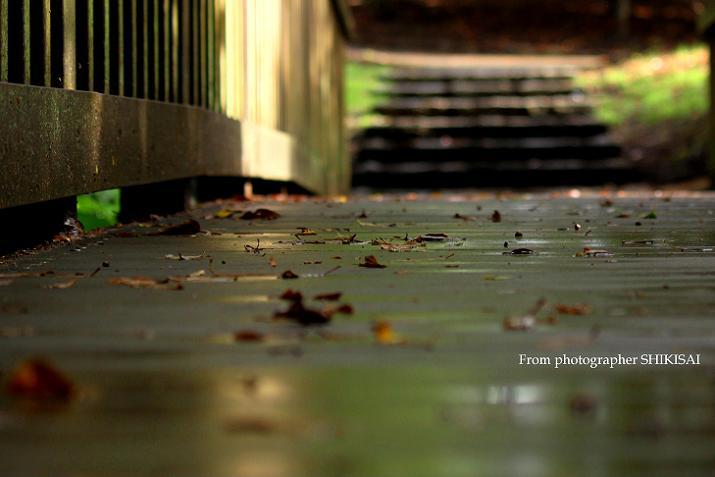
pixel 405 127
pixel 466 88
pixel 480 74
pixel 446 148
pixel 495 173
pixel 494 105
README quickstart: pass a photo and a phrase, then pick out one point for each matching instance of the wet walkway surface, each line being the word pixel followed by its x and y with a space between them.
pixel 197 366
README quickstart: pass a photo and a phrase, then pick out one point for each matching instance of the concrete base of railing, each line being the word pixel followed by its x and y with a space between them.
pixel 57 143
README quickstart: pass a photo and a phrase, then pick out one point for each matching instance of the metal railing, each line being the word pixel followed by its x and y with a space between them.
pixel 142 91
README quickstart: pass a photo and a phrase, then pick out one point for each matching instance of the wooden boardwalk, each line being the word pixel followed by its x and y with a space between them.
pixel 188 371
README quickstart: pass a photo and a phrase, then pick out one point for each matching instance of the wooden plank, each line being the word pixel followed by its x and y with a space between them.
pixel 446 389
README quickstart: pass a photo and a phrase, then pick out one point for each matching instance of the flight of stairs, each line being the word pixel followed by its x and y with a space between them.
pixel 499 126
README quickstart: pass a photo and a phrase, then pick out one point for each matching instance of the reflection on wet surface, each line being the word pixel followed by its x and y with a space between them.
pixel 165 388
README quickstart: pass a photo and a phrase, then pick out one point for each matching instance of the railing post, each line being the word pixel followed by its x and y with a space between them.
pixel 3 40
pixel 69 56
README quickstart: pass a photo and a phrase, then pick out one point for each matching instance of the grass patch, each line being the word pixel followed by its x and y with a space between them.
pixel 651 88
pixel 99 209
pixel 361 81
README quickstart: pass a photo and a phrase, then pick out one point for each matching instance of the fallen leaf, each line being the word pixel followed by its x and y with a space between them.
pixel 519 251
pixel 306 231
pixel 248 336
pixel 383 333
pixel 272 262
pixel 260 214
pixel 466 218
pixel 328 296
pixel 181 257
pixel 371 262
pixel 496 216
pixel 344 309
pixel 190 227
pixel 440 237
pixel 579 309
pixel 146 282
pixel 298 313
pixel 64 285
pixel 518 235
pixel 291 295
pixel 288 275
pixel 38 379
pixel 651 215
pixel 596 252
pixel 397 247
pixel 226 213
pixel 251 249
pixel 582 404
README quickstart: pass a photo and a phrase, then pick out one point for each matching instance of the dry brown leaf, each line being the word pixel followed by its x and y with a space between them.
pixel 496 216
pixel 383 333
pixel 181 257
pixel 146 282
pixel 64 285
pixel 190 227
pixel 260 214
pixel 519 251
pixel 249 336
pixel 38 379
pixel 328 296
pixel 272 262
pixel 289 275
pixel 371 262
pixel 466 218
pixel 579 309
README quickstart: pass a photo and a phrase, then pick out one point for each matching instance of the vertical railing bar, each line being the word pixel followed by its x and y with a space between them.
pixel 220 49
pixel 133 26
pixel 145 47
pixel 157 46
pixel 175 50
pixel 26 54
pixel 203 45
pixel 47 43
pixel 210 56
pixel 120 48
pixel 90 46
pixel 69 54
pixel 165 46
pixel 185 53
pixel 3 40
pixel 195 51
pixel 106 46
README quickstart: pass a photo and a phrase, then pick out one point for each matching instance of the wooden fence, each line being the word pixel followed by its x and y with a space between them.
pixel 96 94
